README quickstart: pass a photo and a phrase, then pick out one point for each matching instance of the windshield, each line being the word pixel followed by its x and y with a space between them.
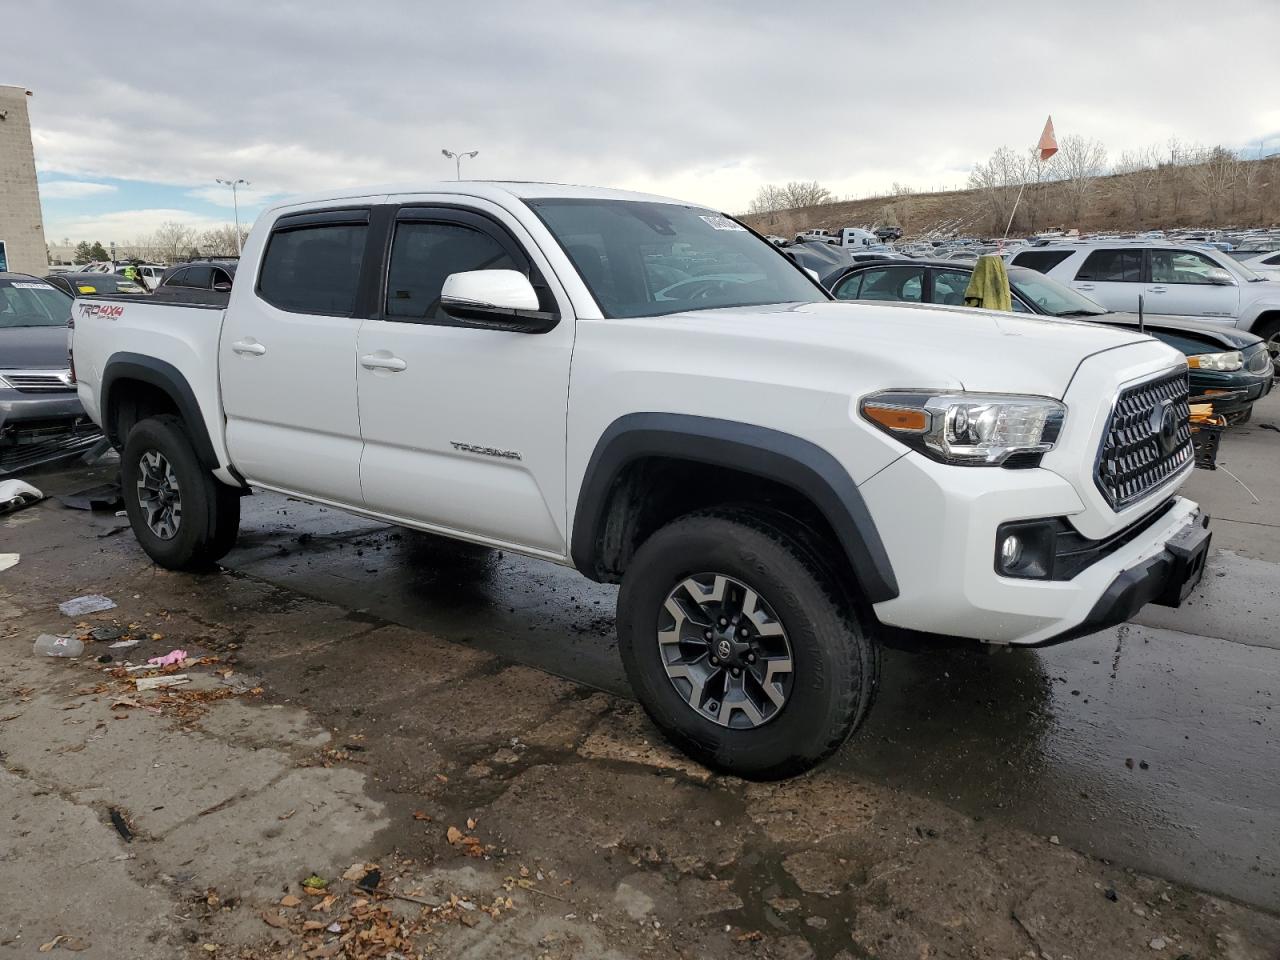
pixel 1050 296
pixel 30 303
pixel 644 259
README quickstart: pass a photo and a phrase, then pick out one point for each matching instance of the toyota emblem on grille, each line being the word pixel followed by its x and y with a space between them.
pixel 1164 425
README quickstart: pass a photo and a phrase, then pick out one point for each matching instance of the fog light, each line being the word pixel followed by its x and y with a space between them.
pixel 1010 552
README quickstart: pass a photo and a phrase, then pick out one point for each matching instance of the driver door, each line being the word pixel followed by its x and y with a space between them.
pixel 464 427
pixel 1190 283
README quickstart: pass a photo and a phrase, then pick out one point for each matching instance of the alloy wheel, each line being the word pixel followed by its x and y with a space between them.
pixel 158 495
pixel 725 651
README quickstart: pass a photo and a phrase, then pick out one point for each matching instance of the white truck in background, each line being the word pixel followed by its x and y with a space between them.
pixel 647 391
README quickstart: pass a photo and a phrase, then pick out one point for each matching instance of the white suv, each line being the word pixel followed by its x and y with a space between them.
pixel 1173 278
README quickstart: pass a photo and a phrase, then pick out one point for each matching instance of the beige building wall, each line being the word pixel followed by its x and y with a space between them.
pixel 21 224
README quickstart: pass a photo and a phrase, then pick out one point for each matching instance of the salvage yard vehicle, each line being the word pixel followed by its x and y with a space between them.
pixel 41 419
pixel 1172 278
pixel 197 282
pixel 1229 367
pixel 77 284
pixel 776 480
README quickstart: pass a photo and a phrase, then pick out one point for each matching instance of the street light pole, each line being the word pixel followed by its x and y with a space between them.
pixel 235 204
pixel 458 158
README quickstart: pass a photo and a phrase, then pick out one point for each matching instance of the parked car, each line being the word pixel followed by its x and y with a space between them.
pixel 87 284
pixel 1265 263
pixel 1229 366
pixel 204 282
pixel 1173 279
pixel 149 273
pixel 775 479
pixel 41 418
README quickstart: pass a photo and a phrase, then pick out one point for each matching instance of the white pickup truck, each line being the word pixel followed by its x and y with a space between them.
pixel 647 391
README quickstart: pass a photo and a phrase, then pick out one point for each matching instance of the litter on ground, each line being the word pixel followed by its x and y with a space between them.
pixel 155 683
pixel 8 560
pixel 15 494
pixel 90 603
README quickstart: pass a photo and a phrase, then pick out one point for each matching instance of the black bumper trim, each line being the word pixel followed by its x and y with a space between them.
pixel 1165 579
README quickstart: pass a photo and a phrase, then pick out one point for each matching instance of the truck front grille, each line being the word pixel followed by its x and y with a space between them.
pixel 39 381
pixel 1147 440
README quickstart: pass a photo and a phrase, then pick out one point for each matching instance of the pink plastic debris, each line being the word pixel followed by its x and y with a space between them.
pixel 173 656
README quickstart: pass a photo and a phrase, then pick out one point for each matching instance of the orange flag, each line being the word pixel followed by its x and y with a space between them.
pixel 1047 146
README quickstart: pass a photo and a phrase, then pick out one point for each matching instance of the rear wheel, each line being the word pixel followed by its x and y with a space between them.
pixel 181 515
pixel 735 643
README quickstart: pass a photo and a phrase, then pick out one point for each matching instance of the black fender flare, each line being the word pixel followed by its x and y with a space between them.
pixel 781 457
pixel 166 377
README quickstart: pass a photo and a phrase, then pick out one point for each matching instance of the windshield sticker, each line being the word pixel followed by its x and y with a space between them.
pixel 30 286
pixel 722 223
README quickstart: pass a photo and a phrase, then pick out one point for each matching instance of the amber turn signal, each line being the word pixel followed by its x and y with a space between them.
pixel 899 419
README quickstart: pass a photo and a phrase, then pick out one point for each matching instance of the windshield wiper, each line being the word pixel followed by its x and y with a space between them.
pixel 1081 313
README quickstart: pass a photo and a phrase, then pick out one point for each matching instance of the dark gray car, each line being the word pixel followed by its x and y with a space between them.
pixel 41 419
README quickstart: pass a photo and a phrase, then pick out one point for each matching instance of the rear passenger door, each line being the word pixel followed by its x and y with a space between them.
pixel 463 426
pixel 1112 277
pixel 287 355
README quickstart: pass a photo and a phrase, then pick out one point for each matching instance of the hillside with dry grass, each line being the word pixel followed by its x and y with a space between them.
pixel 1244 194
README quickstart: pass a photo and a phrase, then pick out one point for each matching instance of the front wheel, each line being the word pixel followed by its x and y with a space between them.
pixel 735 643
pixel 181 515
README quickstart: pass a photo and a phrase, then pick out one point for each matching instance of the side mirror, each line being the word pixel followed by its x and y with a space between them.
pixel 1220 277
pixel 222 287
pixel 496 300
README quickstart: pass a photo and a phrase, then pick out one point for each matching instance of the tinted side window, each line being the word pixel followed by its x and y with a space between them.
pixel 1041 260
pixel 949 286
pixel 847 289
pixel 177 279
pixel 314 269
pixel 199 277
pixel 893 283
pixel 424 254
pixel 1181 266
pixel 1112 266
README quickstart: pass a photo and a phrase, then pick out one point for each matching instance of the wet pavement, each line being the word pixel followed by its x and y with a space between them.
pixel 1155 744
pixel 407 675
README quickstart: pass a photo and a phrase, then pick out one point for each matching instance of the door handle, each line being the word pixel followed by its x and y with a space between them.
pixel 250 347
pixel 371 361
pixel 1084 286
pixel 1157 289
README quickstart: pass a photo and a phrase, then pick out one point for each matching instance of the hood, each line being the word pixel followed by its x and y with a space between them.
pixel 912 345
pixel 28 348
pixel 1232 337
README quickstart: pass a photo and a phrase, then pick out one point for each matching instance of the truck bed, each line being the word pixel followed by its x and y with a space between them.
pixel 154 342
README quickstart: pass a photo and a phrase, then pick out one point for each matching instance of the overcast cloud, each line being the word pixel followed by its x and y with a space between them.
pixel 705 101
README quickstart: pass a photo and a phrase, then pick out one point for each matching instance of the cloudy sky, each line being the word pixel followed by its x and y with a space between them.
pixel 135 113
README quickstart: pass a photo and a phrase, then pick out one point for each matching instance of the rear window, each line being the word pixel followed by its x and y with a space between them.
pixel 1112 266
pixel 314 269
pixel 1042 261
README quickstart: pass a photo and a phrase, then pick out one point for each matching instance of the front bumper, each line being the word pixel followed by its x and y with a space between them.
pixel 37 429
pixel 939 524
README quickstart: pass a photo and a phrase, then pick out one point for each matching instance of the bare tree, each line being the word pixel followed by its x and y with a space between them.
pixel 1213 176
pixel 998 183
pixel 172 241
pixel 1078 164
pixel 1139 180
pixel 1173 178
pixel 221 241
pixel 768 199
pixel 810 193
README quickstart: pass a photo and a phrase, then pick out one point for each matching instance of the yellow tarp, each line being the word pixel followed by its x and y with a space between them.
pixel 989 286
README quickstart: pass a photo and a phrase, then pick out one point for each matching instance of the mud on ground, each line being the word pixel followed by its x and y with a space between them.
pixel 489 809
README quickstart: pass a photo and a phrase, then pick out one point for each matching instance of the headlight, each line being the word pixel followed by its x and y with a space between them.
pixel 975 429
pixel 1232 360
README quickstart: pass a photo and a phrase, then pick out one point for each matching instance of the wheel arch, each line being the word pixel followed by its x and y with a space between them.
pixel 603 533
pixel 135 385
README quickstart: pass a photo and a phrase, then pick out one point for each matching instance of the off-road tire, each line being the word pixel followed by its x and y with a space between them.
pixel 210 517
pixel 836 659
